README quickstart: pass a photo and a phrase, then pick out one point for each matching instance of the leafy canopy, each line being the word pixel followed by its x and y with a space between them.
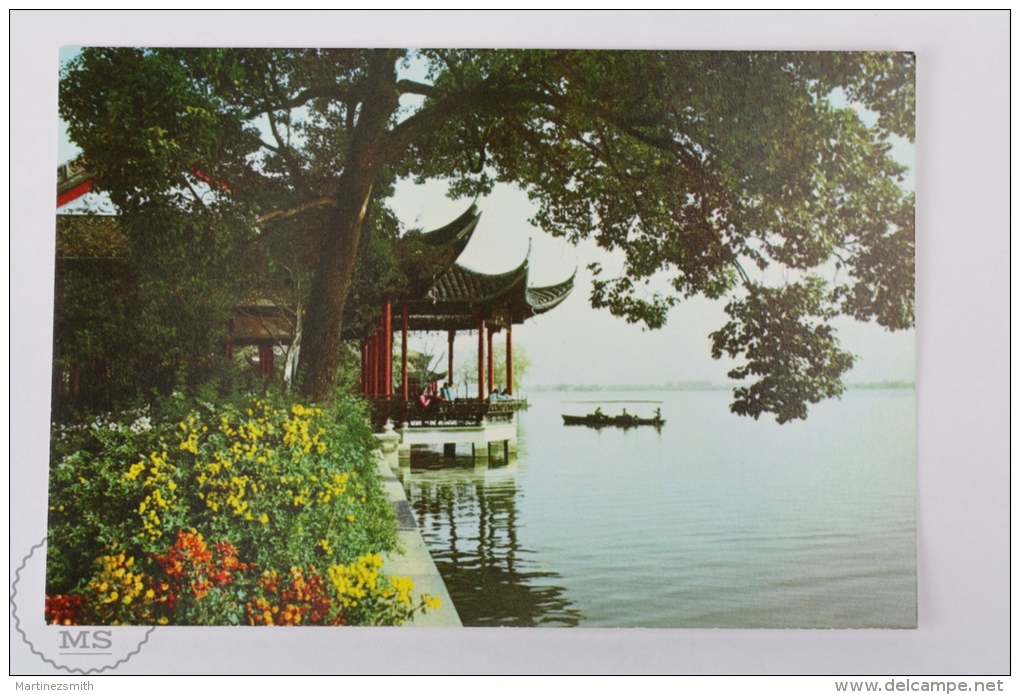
pixel 740 174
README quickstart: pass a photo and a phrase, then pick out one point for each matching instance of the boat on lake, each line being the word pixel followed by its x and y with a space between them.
pixel 598 419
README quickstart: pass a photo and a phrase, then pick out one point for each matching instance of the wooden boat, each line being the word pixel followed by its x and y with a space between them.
pixel 598 419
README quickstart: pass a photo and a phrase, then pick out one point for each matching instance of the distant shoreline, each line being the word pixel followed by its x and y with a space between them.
pixel 693 386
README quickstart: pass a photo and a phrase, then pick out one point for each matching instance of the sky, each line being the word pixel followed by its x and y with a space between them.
pixel 575 344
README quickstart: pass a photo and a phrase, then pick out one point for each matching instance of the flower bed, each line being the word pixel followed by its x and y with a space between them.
pixel 258 514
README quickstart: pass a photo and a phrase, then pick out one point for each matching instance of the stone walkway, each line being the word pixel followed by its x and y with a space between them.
pixel 415 562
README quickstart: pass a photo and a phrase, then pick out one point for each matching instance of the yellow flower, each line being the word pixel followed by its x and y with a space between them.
pixel 264 518
pixel 402 584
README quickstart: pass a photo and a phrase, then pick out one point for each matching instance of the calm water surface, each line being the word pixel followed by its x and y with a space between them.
pixel 716 521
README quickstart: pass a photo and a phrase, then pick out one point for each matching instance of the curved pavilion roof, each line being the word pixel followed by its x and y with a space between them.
pixel 457 297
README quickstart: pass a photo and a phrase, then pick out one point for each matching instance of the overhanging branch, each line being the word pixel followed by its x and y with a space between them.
pixel 333 92
pixel 282 214
pixel 412 87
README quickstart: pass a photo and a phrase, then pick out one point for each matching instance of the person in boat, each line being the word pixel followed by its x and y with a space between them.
pixel 599 414
pixel 658 413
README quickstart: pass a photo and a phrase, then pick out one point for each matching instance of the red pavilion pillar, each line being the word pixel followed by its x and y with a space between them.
pixel 378 361
pixel 375 364
pixel 404 386
pixel 387 348
pixel 370 355
pixel 492 362
pixel 481 356
pixel 509 353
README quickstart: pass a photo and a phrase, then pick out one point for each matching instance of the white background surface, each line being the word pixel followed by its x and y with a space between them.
pixel 962 337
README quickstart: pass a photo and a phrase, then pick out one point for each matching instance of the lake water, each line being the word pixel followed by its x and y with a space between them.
pixel 715 521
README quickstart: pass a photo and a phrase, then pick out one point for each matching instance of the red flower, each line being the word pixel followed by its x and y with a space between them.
pixel 64 609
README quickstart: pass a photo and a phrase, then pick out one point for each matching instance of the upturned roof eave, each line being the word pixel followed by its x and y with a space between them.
pixel 447 244
pixel 457 232
pixel 556 295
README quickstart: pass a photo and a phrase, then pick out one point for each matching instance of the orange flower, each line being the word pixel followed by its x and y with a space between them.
pixel 304 601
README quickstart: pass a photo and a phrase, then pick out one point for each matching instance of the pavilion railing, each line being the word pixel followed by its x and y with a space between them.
pixel 464 412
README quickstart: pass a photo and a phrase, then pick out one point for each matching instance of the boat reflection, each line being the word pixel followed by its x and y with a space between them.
pixel 468 517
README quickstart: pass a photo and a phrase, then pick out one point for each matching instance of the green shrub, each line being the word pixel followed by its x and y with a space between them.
pixel 286 485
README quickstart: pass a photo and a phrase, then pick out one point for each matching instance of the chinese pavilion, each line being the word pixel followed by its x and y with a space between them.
pixel 443 295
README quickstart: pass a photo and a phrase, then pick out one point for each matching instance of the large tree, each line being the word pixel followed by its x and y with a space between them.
pixel 740 174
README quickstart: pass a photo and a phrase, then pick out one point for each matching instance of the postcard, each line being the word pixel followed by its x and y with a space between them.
pixel 438 340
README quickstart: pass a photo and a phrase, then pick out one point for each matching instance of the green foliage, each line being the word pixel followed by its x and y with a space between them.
pixel 696 164
pixel 92 508
pixel 795 354
pixel 287 494
pixel 284 484
pixel 156 128
pixel 122 338
pixel 91 237
pixel 704 168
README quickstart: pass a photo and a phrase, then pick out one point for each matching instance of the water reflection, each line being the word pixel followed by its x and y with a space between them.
pixel 469 519
pixel 715 521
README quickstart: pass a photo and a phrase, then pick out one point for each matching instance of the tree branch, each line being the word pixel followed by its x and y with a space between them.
pixel 629 127
pixel 198 198
pixel 741 271
pixel 412 87
pixel 284 149
pixel 429 119
pixel 333 92
pixel 281 214
pixel 488 92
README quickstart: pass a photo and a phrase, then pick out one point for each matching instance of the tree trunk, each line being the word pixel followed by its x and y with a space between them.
pixel 338 245
pixel 337 253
